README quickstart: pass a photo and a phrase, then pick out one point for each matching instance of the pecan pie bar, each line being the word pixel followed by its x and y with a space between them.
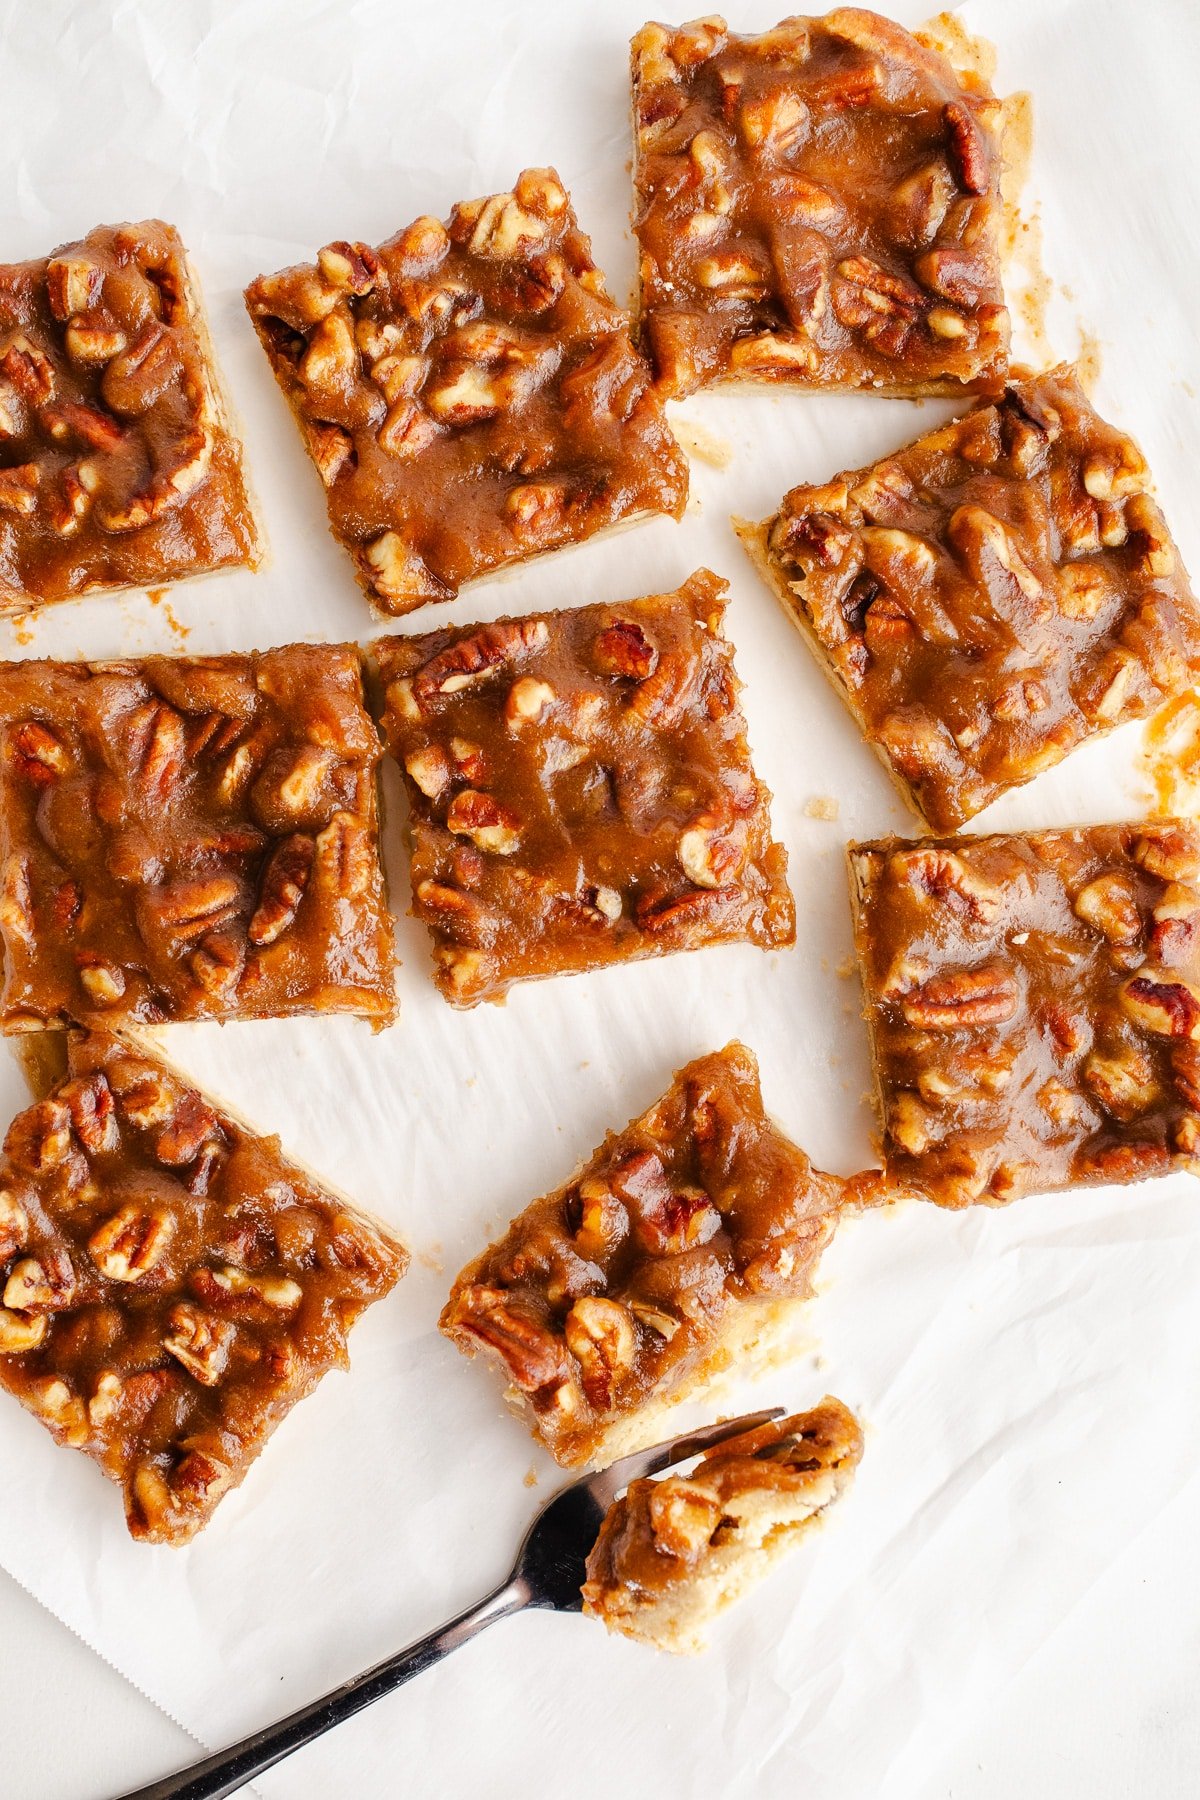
pixel 675 1250
pixel 191 837
pixel 674 1553
pixel 582 791
pixel 172 1286
pixel 118 466
pixel 819 205
pixel 468 392
pixel 1034 1006
pixel 990 596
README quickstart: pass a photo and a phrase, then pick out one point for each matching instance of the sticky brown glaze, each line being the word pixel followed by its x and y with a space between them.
pixel 619 1288
pixel 172 1285
pixel 582 791
pixel 191 837
pixel 818 205
pixel 1034 1006
pixel 991 596
pixel 468 392
pixel 117 466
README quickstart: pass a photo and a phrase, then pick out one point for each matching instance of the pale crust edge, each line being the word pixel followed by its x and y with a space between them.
pixel 753 538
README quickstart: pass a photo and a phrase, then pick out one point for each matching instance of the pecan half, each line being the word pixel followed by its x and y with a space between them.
pixel 40 1283
pixel 186 1129
pixel 473 657
pixel 679 1220
pixel 534 1356
pixel 199 1342
pixel 485 821
pixel 596 1218
pixel 968 998
pixel 20 1332
pixel 968 147
pixel 37 754
pixel 284 881
pixel 947 878
pixel 89 1100
pixel 602 1338
pixel 1165 1007
pixel 683 1516
pixel 345 859
pixel 1110 904
pixel 132 1242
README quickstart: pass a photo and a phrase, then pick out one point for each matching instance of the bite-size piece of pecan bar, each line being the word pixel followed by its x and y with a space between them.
pixel 676 1250
pixel 1033 1003
pixel 990 596
pixel 191 837
pixel 582 791
pixel 468 392
pixel 118 464
pixel 818 205
pixel 674 1553
pixel 171 1285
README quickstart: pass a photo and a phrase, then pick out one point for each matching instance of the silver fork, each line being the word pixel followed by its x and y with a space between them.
pixel 548 1572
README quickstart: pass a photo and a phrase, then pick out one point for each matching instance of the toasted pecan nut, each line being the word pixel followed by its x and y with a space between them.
pixel 602 1338
pixel 960 1001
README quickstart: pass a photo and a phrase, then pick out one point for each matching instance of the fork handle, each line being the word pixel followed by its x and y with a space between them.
pixel 230 1769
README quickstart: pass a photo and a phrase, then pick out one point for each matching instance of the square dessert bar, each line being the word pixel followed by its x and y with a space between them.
pixel 675 1250
pixel 118 464
pixel 674 1553
pixel 990 596
pixel 172 1285
pixel 191 837
pixel 1033 1005
pixel 581 789
pixel 468 392
pixel 819 205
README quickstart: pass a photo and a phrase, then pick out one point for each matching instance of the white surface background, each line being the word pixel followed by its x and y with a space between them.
pixel 1008 1601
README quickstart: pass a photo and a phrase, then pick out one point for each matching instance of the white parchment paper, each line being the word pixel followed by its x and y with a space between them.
pixel 1027 1377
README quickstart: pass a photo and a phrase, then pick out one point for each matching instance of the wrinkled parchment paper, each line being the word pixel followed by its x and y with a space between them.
pixel 1027 1377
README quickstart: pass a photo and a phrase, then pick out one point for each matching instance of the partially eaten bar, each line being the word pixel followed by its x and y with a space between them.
pixel 682 1245
pixel 674 1553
